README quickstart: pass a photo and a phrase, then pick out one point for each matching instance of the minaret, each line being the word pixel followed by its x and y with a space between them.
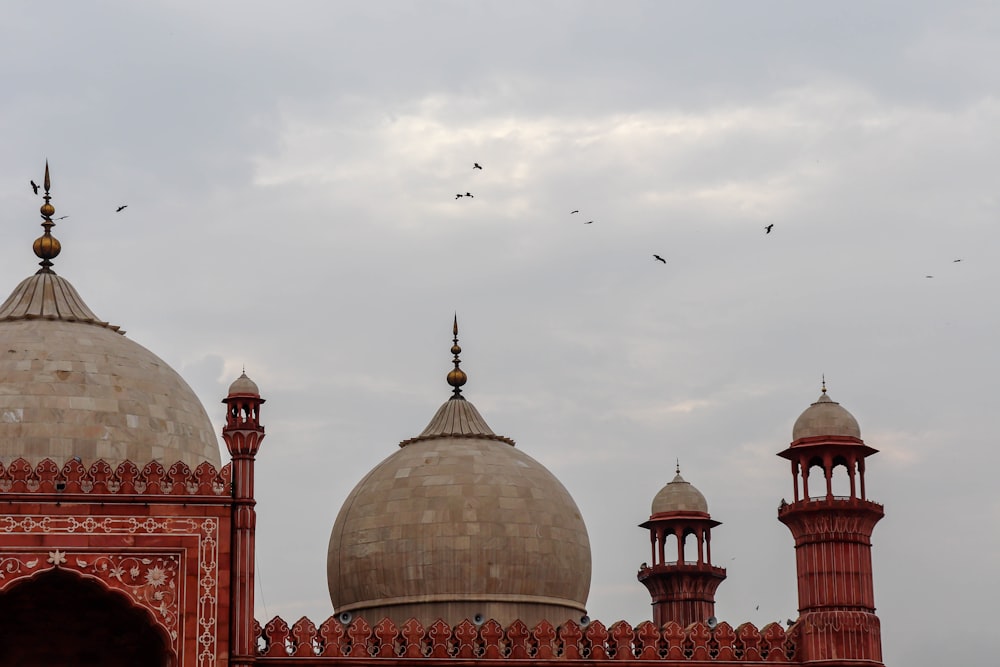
pixel 682 590
pixel 243 434
pixel 833 556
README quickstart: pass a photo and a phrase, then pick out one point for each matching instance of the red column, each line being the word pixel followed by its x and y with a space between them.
pixel 243 435
pixel 837 622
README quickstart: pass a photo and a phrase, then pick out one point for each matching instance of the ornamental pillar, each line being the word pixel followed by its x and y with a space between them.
pixel 243 435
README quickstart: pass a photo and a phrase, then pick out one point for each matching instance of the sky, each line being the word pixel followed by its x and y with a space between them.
pixel 290 171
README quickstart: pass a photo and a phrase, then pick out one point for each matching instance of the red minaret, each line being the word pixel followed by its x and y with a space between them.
pixel 682 590
pixel 243 434
pixel 832 533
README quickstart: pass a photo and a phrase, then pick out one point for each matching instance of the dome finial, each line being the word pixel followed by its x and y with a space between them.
pixel 678 468
pixel 824 382
pixel 46 246
pixel 456 376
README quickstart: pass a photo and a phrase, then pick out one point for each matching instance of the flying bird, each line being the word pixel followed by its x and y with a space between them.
pixel 34 186
pixel 589 222
pixel 476 165
pixel 767 230
pixel 121 208
pixel 928 276
pixel 659 259
pixel 458 196
pixel 955 260
pixel 62 217
pixel 576 211
pixel 469 195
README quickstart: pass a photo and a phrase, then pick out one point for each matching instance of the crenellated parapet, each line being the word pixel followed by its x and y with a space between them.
pixel 306 643
pixel 126 479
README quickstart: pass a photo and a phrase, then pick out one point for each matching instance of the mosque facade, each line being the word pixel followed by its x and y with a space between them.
pixel 125 539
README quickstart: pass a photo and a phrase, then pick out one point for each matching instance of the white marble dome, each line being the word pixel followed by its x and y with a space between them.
pixel 459 523
pixel 679 496
pixel 72 385
pixel 825 417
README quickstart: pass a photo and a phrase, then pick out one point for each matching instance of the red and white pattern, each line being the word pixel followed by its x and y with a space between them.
pixel 152 578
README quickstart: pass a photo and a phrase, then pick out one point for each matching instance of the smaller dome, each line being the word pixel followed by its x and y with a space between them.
pixel 825 417
pixel 679 496
pixel 243 385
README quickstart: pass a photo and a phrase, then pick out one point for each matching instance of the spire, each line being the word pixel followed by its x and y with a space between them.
pixel 456 376
pixel 824 382
pixel 678 468
pixel 46 246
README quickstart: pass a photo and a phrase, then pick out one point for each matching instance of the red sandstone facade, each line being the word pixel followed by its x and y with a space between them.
pixel 143 565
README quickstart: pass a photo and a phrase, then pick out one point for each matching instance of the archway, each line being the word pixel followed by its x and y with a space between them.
pixel 60 618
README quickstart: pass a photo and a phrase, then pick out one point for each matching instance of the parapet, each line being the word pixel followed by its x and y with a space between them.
pixel 127 479
pixel 279 644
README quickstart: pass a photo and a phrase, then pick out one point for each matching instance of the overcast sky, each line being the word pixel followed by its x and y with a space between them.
pixel 290 171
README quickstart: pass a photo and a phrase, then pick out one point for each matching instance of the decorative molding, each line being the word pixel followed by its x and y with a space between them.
pixel 150 577
pixel 125 480
pixel 278 641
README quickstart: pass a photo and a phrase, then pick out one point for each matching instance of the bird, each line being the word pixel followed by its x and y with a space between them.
pixel 469 195
pixel 589 222
pixel 476 165
pixel 659 259
pixel 955 260
pixel 757 608
pixel 767 230
pixel 34 186
pixel 63 217
pixel 458 196
pixel 576 211
pixel 121 208
pixel 928 276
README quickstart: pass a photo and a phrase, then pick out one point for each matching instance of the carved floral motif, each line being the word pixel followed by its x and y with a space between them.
pixel 149 578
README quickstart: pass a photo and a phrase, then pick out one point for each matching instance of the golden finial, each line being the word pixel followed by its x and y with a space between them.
pixel 46 246
pixel 456 376
pixel 824 382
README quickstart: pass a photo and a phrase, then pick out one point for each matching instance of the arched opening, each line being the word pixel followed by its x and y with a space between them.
pixel 690 554
pixel 60 618
pixel 841 478
pixel 670 553
pixel 815 479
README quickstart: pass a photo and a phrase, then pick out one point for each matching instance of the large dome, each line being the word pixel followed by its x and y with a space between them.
pixel 457 524
pixel 72 385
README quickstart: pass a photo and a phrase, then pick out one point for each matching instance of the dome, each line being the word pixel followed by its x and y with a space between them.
pixel 825 417
pixel 459 523
pixel 243 385
pixel 72 385
pixel 679 496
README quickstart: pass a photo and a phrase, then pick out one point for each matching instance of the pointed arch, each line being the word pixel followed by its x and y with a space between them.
pixel 58 617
